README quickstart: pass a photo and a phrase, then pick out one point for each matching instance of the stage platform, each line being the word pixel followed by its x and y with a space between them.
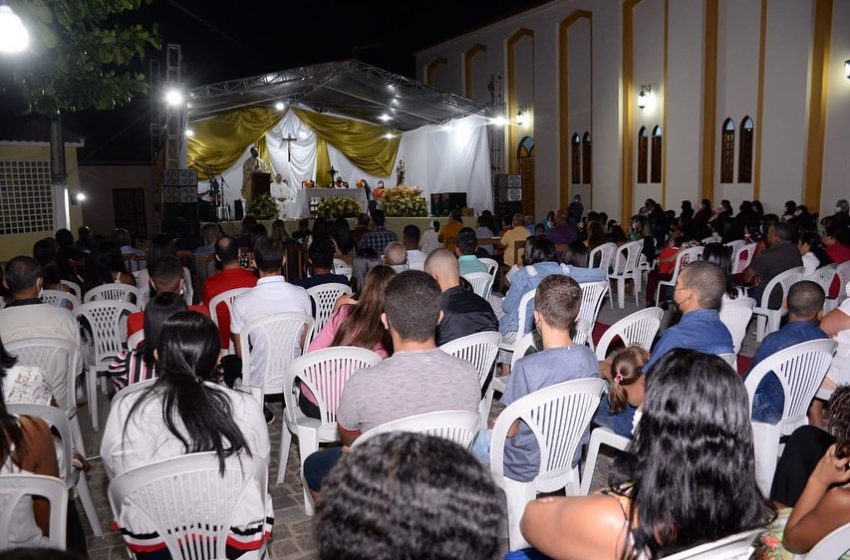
pixel 393 224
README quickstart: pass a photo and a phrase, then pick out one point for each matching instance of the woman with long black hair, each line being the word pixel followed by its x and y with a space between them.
pixel 692 473
pixel 185 411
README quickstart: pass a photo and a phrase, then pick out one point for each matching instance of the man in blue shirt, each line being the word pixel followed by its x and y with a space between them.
pixel 699 292
pixel 805 305
pixel 467 244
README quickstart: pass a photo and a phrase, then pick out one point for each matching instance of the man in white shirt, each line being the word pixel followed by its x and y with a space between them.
pixel 271 295
pixel 26 317
pixel 836 324
pixel 415 257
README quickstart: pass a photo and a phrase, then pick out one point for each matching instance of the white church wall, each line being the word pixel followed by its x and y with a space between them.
pixel 580 102
pixel 836 163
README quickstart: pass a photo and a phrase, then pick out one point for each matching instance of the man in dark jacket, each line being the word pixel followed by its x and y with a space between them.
pixel 464 312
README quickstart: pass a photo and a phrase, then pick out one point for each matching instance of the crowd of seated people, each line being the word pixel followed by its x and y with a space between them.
pixel 406 300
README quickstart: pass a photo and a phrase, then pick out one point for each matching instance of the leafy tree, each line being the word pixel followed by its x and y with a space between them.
pixel 81 57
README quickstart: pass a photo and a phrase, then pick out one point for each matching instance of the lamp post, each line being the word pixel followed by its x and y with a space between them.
pixel 14 37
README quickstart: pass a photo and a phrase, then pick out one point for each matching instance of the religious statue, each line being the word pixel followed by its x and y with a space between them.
pixel 400 172
pixel 251 165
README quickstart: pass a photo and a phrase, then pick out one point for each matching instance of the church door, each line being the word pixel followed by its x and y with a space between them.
pixel 525 156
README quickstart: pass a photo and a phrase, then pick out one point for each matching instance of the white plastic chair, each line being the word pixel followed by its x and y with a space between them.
pixel 558 416
pixel 832 546
pixel 14 487
pixel 459 426
pixel 598 437
pixel 592 294
pixel 749 251
pixel 639 329
pixel 342 267
pixel 74 288
pixel 509 342
pixel 188 502
pixel 800 369
pixel 227 299
pixel 492 265
pixel 108 322
pixel 59 298
pixel 714 238
pixel 767 320
pixel 626 261
pixel 324 297
pixel 605 254
pixel 480 350
pixel 683 258
pixel 822 277
pixel 736 315
pixel 56 419
pixel 843 272
pixel 731 359
pixel 286 336
pixel 143 284
pixel 114 292
pixel 482 283
pixel 735 245
pixel 52 354
pixel 324 373
pixel 733 547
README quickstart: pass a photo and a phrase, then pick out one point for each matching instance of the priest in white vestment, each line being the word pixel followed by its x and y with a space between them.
pixel 284 194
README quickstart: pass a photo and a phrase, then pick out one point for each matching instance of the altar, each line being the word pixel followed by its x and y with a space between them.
pixel 311 198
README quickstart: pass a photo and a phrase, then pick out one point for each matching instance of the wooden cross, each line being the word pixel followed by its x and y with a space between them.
pixel 289 140
pixel 333 173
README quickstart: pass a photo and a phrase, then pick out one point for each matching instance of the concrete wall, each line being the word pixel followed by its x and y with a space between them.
pixel 98 182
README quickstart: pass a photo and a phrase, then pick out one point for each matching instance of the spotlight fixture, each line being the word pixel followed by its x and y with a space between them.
pixel 14 37
pixel 174 97
pixel 384 117
pixel 189 132
pixel 279 105
pixel 389 135
pixel 499 120
pixel 80 197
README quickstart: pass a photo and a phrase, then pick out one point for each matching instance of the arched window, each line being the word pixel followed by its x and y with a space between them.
pixel 575 146
pixel 586 158
pixel 525 148
pixel 727 153
pixel 643 155
pixel 745 151
pixel 656 155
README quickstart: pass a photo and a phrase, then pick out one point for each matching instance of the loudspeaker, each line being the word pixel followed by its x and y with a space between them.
pixel 443 203
pixel 507 195
pixel 238 212
pixel 179 199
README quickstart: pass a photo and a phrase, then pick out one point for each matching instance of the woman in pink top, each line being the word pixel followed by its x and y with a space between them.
pixel 358 324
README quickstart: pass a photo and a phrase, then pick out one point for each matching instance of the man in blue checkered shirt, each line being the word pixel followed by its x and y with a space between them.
pixel 379 237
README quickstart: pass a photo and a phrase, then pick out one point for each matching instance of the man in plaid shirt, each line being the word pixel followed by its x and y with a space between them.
pixel 379 237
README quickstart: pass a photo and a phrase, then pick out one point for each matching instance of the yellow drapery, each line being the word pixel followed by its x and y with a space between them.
pixel 362 143
pixel 219 141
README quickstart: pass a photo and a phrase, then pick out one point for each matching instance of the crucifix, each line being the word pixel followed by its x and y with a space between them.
pixel 333 173
pixel 289 140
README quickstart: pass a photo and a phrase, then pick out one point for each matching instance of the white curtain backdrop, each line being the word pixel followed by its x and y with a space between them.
pixel 450 158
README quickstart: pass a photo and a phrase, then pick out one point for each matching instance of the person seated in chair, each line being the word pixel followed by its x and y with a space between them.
pixel 395 256
pixel 166 276
pixel 780 256
pixel 321 255
pixel 466 249
pixel 805 308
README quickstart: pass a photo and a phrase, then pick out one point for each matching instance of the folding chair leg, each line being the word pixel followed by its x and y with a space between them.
pixel 621 292
pixel 285 443
pixel 589 463
pixel 91 385
pixel 88 505
pixel 761 321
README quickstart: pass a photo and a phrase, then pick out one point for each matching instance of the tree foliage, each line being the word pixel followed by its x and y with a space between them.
pixel 82 58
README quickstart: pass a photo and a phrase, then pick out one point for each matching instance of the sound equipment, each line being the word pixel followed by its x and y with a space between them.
pixel 179 199
pixel 507 195
pixel 443 203
pixel 238 211
pixel 260 184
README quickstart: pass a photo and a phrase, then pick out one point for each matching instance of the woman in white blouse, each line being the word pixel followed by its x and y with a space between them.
pixel 185 411
pixel 812 251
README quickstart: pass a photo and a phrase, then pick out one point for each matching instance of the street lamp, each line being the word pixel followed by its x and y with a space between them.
pixel 14 37
pixel 174 97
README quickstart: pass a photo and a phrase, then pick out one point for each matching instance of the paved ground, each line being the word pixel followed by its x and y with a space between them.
pixel 293 530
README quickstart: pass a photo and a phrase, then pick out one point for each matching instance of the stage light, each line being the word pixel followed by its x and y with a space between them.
pixel 279 105
pixel 80 197
pixel 14 37
pixel 384 117
pixel 174 97
pixel 394 101
pixel 190 132
pixel 391 87
pixel 847 69
pixel 499 120
pixel 389 135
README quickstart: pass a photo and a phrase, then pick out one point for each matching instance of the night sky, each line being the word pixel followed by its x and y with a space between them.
pixel 228 40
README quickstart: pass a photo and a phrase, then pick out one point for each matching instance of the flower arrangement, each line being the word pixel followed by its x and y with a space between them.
pixel 338 207
pixel 308 183
pixel 402 201
pixel 263 208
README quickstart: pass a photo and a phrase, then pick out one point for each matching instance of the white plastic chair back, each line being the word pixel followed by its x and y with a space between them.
pixel 482 283
pixel 626 267
pixel 735 245
pixel 714 238
pixel 341 267
pixel 479 349
pixel 114 292
pixel 592 294
pixel 51 355
pixel 683 258
pixel 522 346
pixel 60 298
pixel 598 437
pixel 57 420
pixel 225 298
pixel 459 426
pixel 74 288
pixel 399 268
pixel 491 264
pixel 639 329
pixel 604 253
pixel 832 546
pixel 822 277
pixel 800 370
pixel 558 416
pixel 324 297
pixel 14 487
pixel 748 251
pixel 768 319
pixel 843 273
pixel 135 339
pixel 733 547
pixel 736 315
pixel 731 359
pixel 286 336
pixel 188 502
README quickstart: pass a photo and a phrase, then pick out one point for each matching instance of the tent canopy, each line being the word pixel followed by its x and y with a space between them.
pixel 348 88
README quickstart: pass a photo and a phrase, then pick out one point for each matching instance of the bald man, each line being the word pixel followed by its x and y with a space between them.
pixel 395 256
pixel 464 312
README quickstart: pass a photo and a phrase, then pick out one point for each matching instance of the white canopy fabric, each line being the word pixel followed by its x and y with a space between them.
pixel 454 157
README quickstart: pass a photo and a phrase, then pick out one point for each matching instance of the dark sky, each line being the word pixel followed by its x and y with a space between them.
pixel 226 40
